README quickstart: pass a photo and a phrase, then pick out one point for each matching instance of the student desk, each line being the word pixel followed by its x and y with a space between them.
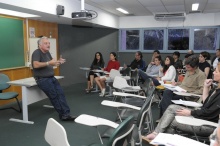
pixel 30 94
pixel 95 121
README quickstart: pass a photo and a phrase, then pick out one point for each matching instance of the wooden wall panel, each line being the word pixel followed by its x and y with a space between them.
pixel 41 29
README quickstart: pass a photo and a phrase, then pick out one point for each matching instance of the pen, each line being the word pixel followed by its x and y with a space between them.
pixel 215 84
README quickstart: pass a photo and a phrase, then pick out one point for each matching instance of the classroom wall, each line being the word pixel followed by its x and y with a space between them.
pixel 78 46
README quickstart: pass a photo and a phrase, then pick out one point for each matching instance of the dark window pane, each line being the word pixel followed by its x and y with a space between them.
pixel 130 39
pixel 178 39
pixel 153 39
pixel 205 39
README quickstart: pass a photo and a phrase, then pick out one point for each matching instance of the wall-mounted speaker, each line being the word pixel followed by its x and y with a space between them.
pixel 60 10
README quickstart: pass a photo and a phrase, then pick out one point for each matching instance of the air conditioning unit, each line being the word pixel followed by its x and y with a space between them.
pixel 169 16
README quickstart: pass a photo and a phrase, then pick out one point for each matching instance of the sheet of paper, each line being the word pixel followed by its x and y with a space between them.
pixel 174 88
pixel 187 103
pixel 187 94
pixel 178 140
pixel 162 138
pixel 175 140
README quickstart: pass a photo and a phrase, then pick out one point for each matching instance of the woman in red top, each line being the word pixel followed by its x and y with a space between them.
pixel 112 64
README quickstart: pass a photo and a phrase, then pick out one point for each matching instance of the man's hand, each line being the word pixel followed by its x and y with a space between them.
pixel 54 62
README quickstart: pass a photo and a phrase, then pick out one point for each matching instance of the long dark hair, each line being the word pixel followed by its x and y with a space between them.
pixel 114 54
pixel 165 68
pixel 95 61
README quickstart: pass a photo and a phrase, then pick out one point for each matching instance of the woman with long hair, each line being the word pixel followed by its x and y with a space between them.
pixel 112 64
pixel 97 64
pixel 168 71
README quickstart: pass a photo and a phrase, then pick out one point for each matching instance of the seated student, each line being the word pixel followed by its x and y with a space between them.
pixel 155 53
pixel 209 111
pixel 112 64
pixel 168 71
pixel 137 63
pixel 185 57
pixel 177 62
pixel 98 63
pixel 192 82
pixel 152 69
pixel 204 65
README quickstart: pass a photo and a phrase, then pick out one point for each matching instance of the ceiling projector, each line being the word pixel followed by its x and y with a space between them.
pixel 81 15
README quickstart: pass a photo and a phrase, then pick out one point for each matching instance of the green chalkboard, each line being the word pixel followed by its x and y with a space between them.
pixel 11 43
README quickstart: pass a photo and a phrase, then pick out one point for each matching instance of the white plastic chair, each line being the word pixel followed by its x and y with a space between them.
pixel 112 75
pixel 55 134
pixel 121 84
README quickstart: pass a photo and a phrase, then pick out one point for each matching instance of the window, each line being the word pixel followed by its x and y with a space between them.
pixel 153 39
pixel 130 39
pixel 205 39
pixel 178 39
pixel 169 39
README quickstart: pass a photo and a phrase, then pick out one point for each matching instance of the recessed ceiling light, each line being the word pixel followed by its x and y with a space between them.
pixel 16 13
pixel 122 10
pixel 195 6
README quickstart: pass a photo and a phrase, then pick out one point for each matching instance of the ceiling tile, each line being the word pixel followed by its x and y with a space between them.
pixel 172 2
pixel 99 1
pixel 213 1
pixel 159 9
pixel 177 8
pixel 151 3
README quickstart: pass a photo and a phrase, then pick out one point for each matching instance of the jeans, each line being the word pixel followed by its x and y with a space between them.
pixel 166 100
pixel 144 76
pixel 51 87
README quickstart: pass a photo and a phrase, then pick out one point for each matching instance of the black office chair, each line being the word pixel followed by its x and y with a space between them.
pixel 7 95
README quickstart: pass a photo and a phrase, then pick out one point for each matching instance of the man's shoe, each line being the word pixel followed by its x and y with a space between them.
pixel 68 118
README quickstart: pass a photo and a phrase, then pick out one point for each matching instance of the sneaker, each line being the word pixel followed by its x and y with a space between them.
pixel 101 95
pixel 103 91
pixel 68 118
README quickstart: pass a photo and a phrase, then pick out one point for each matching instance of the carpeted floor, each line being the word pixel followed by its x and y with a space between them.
pixel 19 134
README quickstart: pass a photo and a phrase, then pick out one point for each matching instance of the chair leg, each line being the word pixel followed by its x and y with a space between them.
pixel 195 134
pixel 18 110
